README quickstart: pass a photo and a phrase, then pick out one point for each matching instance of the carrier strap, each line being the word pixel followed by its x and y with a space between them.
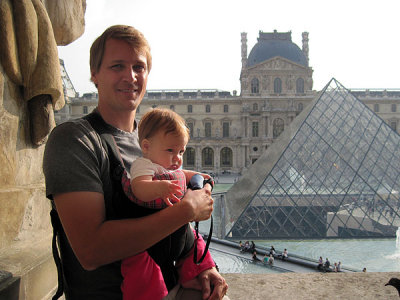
pixel 55 222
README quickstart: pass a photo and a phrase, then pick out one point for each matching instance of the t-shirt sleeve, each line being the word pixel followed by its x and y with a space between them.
pixel 142 167
pixel 72 160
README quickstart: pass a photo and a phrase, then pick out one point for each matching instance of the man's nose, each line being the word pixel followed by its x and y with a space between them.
pixel 130 75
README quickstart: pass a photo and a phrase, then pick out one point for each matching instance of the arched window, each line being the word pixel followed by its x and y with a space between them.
pixel 207 156
pixel 300 86
pixel 255 86
pixel 255 107
pixel 189 157
pixel 226 157
pixel 277 86
pixel 278 127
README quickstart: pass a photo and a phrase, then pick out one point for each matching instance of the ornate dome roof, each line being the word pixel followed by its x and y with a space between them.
pixel 276 44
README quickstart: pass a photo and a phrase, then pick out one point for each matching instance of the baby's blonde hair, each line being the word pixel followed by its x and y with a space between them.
pixel 159 119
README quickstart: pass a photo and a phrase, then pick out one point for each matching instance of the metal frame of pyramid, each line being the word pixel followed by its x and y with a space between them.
pixel 333 173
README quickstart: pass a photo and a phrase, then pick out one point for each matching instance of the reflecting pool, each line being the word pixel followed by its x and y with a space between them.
pixel 377 255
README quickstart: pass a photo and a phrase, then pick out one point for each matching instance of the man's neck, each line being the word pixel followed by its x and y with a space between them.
pixel 124 120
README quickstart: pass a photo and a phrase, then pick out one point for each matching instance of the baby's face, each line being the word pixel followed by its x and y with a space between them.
pixel 166 150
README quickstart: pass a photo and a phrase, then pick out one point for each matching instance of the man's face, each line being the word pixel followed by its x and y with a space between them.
pixel 122 77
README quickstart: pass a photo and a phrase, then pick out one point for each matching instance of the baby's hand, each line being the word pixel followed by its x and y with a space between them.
pixel 169 190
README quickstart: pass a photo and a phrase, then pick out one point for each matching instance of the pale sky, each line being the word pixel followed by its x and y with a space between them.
pixel 197 44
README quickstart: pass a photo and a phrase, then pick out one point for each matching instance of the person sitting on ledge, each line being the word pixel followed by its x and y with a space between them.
pixel 266 257
pixel 271 260
pixel 320 263
pixel 327 265
pixel 285 254
pixel 254 257
pixel 252 247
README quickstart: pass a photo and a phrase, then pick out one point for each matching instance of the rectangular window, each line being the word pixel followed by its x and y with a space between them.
pixel 255 129
pixel 376 107
pixel 225 129
pixel 393 125
pixel 85 110
pixel 189 157
pixel 207 129
pixel 394 108
pixel 189 108
pixel 190 126
pixel 226 108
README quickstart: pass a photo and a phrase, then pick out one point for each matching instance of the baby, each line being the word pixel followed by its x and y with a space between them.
pixel 157 181
pixel 163 137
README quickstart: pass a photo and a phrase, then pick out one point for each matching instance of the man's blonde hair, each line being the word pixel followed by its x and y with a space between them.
pixel 161 119
pixel 126 33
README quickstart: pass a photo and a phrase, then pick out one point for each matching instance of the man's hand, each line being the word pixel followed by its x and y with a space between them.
pixel 210 282
pixel 199 204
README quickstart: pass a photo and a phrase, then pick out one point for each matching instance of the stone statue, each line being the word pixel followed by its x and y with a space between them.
pixel 29 35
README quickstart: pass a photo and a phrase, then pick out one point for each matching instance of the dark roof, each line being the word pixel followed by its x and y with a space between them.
pixel 273 44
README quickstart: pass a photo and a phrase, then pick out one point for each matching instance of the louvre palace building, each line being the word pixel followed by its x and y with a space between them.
pixel 230 131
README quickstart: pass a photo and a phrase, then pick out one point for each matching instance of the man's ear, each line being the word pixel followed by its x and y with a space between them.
pixel 145 145
pixel 93 77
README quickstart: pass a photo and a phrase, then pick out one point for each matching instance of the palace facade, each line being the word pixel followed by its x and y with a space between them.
pixel 230 131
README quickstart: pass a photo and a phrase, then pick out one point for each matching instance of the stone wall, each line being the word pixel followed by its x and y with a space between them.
pixel 29 73
pixel 25 230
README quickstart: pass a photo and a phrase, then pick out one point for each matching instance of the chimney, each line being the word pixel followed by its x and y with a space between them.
pixel 244 49
pixel 305 45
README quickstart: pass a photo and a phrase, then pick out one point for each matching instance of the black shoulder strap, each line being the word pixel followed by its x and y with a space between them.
pixel 55 222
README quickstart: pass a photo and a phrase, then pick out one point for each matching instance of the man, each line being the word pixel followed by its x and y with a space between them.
pixel 76 168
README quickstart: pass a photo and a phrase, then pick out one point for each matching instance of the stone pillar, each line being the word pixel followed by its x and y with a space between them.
pixel 25 230
pixel 30 87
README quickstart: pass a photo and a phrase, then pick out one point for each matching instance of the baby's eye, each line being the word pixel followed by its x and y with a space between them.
pixel 169 150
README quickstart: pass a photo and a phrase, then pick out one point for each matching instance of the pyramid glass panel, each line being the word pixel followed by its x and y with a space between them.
pixel 334 172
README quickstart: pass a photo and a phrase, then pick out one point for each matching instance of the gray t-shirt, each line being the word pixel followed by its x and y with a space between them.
pixel 75 160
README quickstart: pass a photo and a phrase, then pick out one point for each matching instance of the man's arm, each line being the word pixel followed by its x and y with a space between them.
pixel 97 242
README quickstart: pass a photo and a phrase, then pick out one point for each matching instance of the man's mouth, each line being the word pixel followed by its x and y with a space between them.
pixel 129 90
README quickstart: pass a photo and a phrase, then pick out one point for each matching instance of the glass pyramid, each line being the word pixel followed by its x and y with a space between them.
pixel 335 172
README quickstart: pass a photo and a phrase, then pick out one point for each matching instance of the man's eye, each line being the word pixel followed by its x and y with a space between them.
pixel 139 68
pixel 117 67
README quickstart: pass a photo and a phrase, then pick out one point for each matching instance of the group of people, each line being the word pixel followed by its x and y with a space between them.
pixel 116 240
pixel 247 247
pixel 268 258
pixel 326 266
